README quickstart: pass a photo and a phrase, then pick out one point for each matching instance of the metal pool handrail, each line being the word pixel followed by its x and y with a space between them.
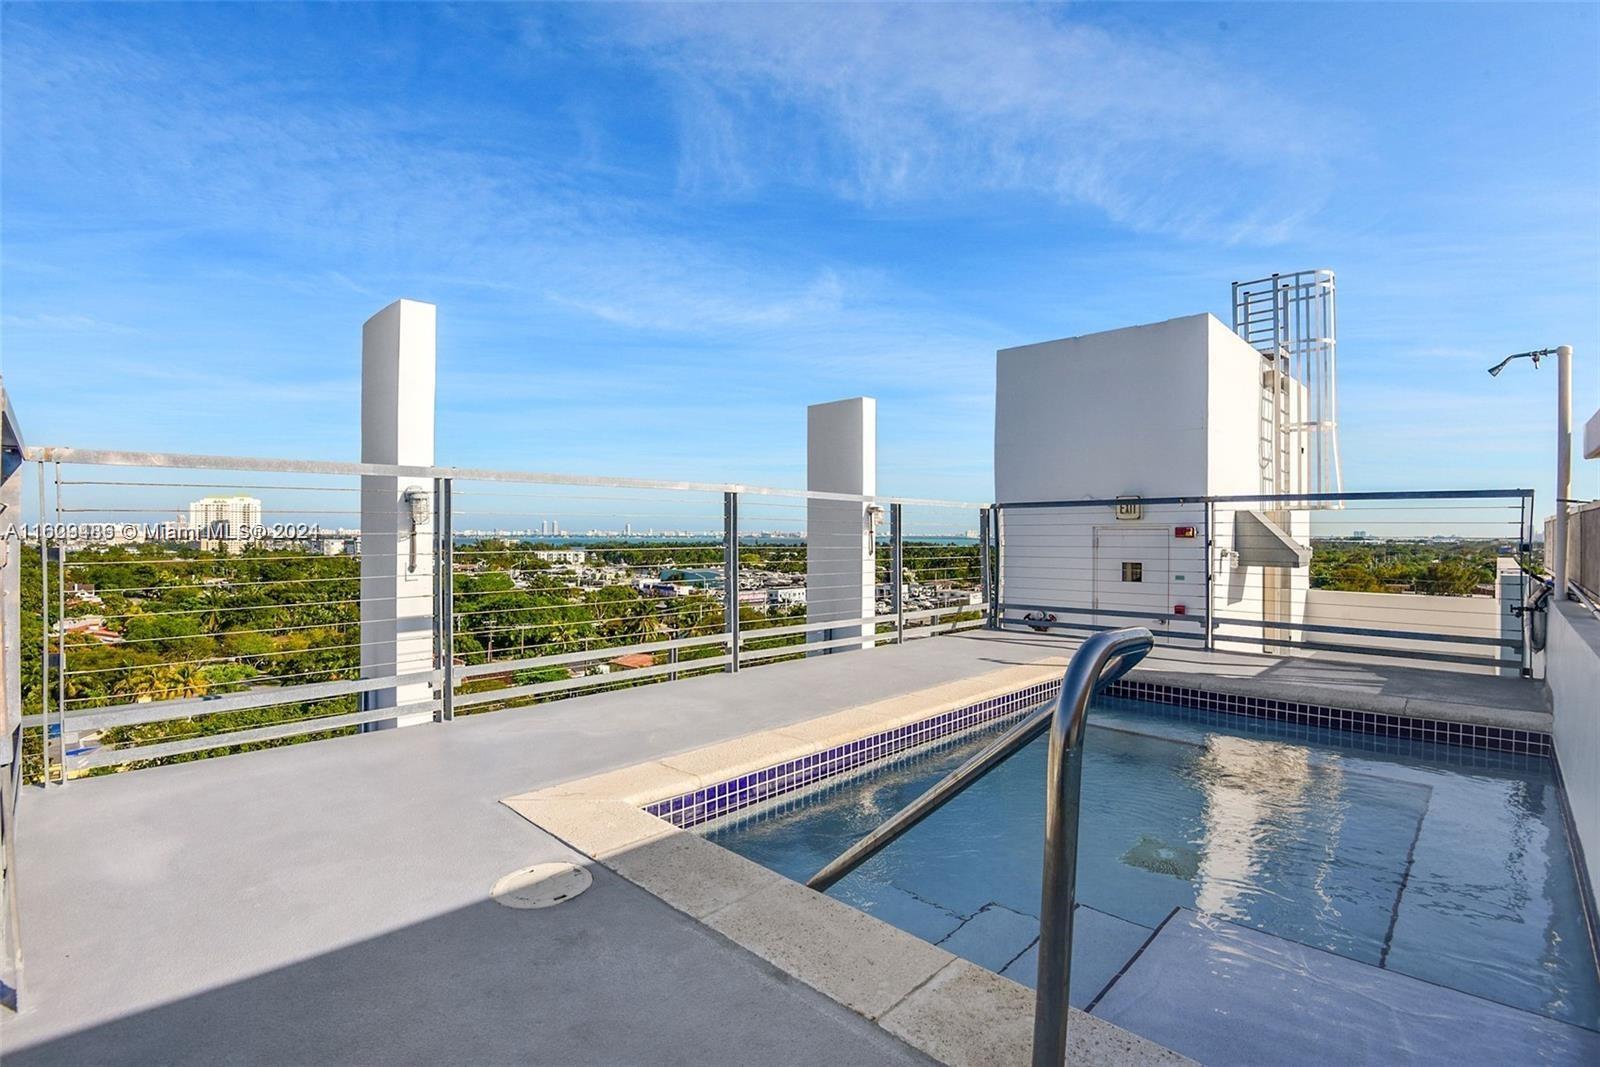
pixel 1099 661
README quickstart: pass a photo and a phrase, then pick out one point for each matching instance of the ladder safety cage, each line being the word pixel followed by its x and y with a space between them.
pixel 1292 320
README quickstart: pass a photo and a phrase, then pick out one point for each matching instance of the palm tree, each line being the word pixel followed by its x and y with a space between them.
pixel 649 626
pixel 168 681
pixel 186 680
pixel 561 631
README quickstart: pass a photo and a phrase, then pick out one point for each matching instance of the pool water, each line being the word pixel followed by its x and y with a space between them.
pixel 1445 864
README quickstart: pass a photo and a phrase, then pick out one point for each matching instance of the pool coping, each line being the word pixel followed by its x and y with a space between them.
pixel 950 1009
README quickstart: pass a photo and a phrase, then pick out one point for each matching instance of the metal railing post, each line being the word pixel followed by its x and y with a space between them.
pixel 730 576
pixel 1211 574
pixel 444 575
pixel 61 643
pixel 897 568
pixel 61 638
pixel 12 451
pixel 44 645
pixel 986 578
pixel 438 589
pixel 1524 618
pixel 998 585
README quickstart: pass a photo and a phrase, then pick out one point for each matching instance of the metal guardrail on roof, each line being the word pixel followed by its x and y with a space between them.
pixel 156 651
pixel 1199 572
pixel 187 461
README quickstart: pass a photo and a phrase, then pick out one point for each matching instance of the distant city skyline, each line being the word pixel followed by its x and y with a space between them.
pixel 655 234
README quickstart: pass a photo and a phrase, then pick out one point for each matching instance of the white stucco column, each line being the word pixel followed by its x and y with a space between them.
pixel 1558 563
pixel 397 381
pixel 841 457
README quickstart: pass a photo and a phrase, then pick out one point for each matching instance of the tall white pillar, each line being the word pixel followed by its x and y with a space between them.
pixel 841 457
pixel 397 382
pixel 1563 465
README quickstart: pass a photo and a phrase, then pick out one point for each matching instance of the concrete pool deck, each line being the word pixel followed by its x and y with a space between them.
pixel 329 902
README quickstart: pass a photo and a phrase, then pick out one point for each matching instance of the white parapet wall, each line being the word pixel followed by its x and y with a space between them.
pixel 1464 616
pixel 1167 409
pixel 397 409
pixel 1572 670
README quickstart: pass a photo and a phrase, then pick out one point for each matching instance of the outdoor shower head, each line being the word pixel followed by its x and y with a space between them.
pixel 1494 371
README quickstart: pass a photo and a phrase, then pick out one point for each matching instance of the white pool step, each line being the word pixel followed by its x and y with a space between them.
pixel 1101 947
pixel 1224 994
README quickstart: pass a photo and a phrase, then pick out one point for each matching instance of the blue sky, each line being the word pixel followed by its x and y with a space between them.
pixel 655 233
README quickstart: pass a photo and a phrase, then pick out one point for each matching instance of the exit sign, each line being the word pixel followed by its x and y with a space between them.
pixel 1130 507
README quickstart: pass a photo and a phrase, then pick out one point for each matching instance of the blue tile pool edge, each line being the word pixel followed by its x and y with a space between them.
pixel 758 787
pixel 1401 727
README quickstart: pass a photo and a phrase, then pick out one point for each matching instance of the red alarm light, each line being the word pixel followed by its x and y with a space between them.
pixel 1180 609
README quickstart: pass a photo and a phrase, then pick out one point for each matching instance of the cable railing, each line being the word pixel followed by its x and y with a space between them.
pixel 180 605
pixel 1432 578
pixel 188 605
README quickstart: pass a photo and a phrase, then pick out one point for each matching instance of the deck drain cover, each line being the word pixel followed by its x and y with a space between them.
pixel 543 885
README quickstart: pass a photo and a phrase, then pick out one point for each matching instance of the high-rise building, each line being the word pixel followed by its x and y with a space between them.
pixel 225 518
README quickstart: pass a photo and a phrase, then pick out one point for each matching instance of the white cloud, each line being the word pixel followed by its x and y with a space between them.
pixel 71 323
pixel 888 103
pixel 696 305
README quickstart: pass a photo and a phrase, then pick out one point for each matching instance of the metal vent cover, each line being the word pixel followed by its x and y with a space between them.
pixel 544 885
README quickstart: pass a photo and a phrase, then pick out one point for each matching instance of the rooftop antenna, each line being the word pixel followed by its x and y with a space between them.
pixel 1291 319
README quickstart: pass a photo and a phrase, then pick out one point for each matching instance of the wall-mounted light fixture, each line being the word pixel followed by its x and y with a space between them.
pixel 416 499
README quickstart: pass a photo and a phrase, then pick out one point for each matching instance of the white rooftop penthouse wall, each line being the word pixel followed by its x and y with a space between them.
pixel 397 387
pixel 841 457
pixel 1161 410
pixel 1166 409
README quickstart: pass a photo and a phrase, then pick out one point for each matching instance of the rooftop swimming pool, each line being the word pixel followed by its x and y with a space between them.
pixel 1254 839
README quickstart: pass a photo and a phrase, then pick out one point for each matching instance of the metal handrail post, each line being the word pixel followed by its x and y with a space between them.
pixel 897 570
pixel 1064 777
pixel 730 576
pixel 1100 660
